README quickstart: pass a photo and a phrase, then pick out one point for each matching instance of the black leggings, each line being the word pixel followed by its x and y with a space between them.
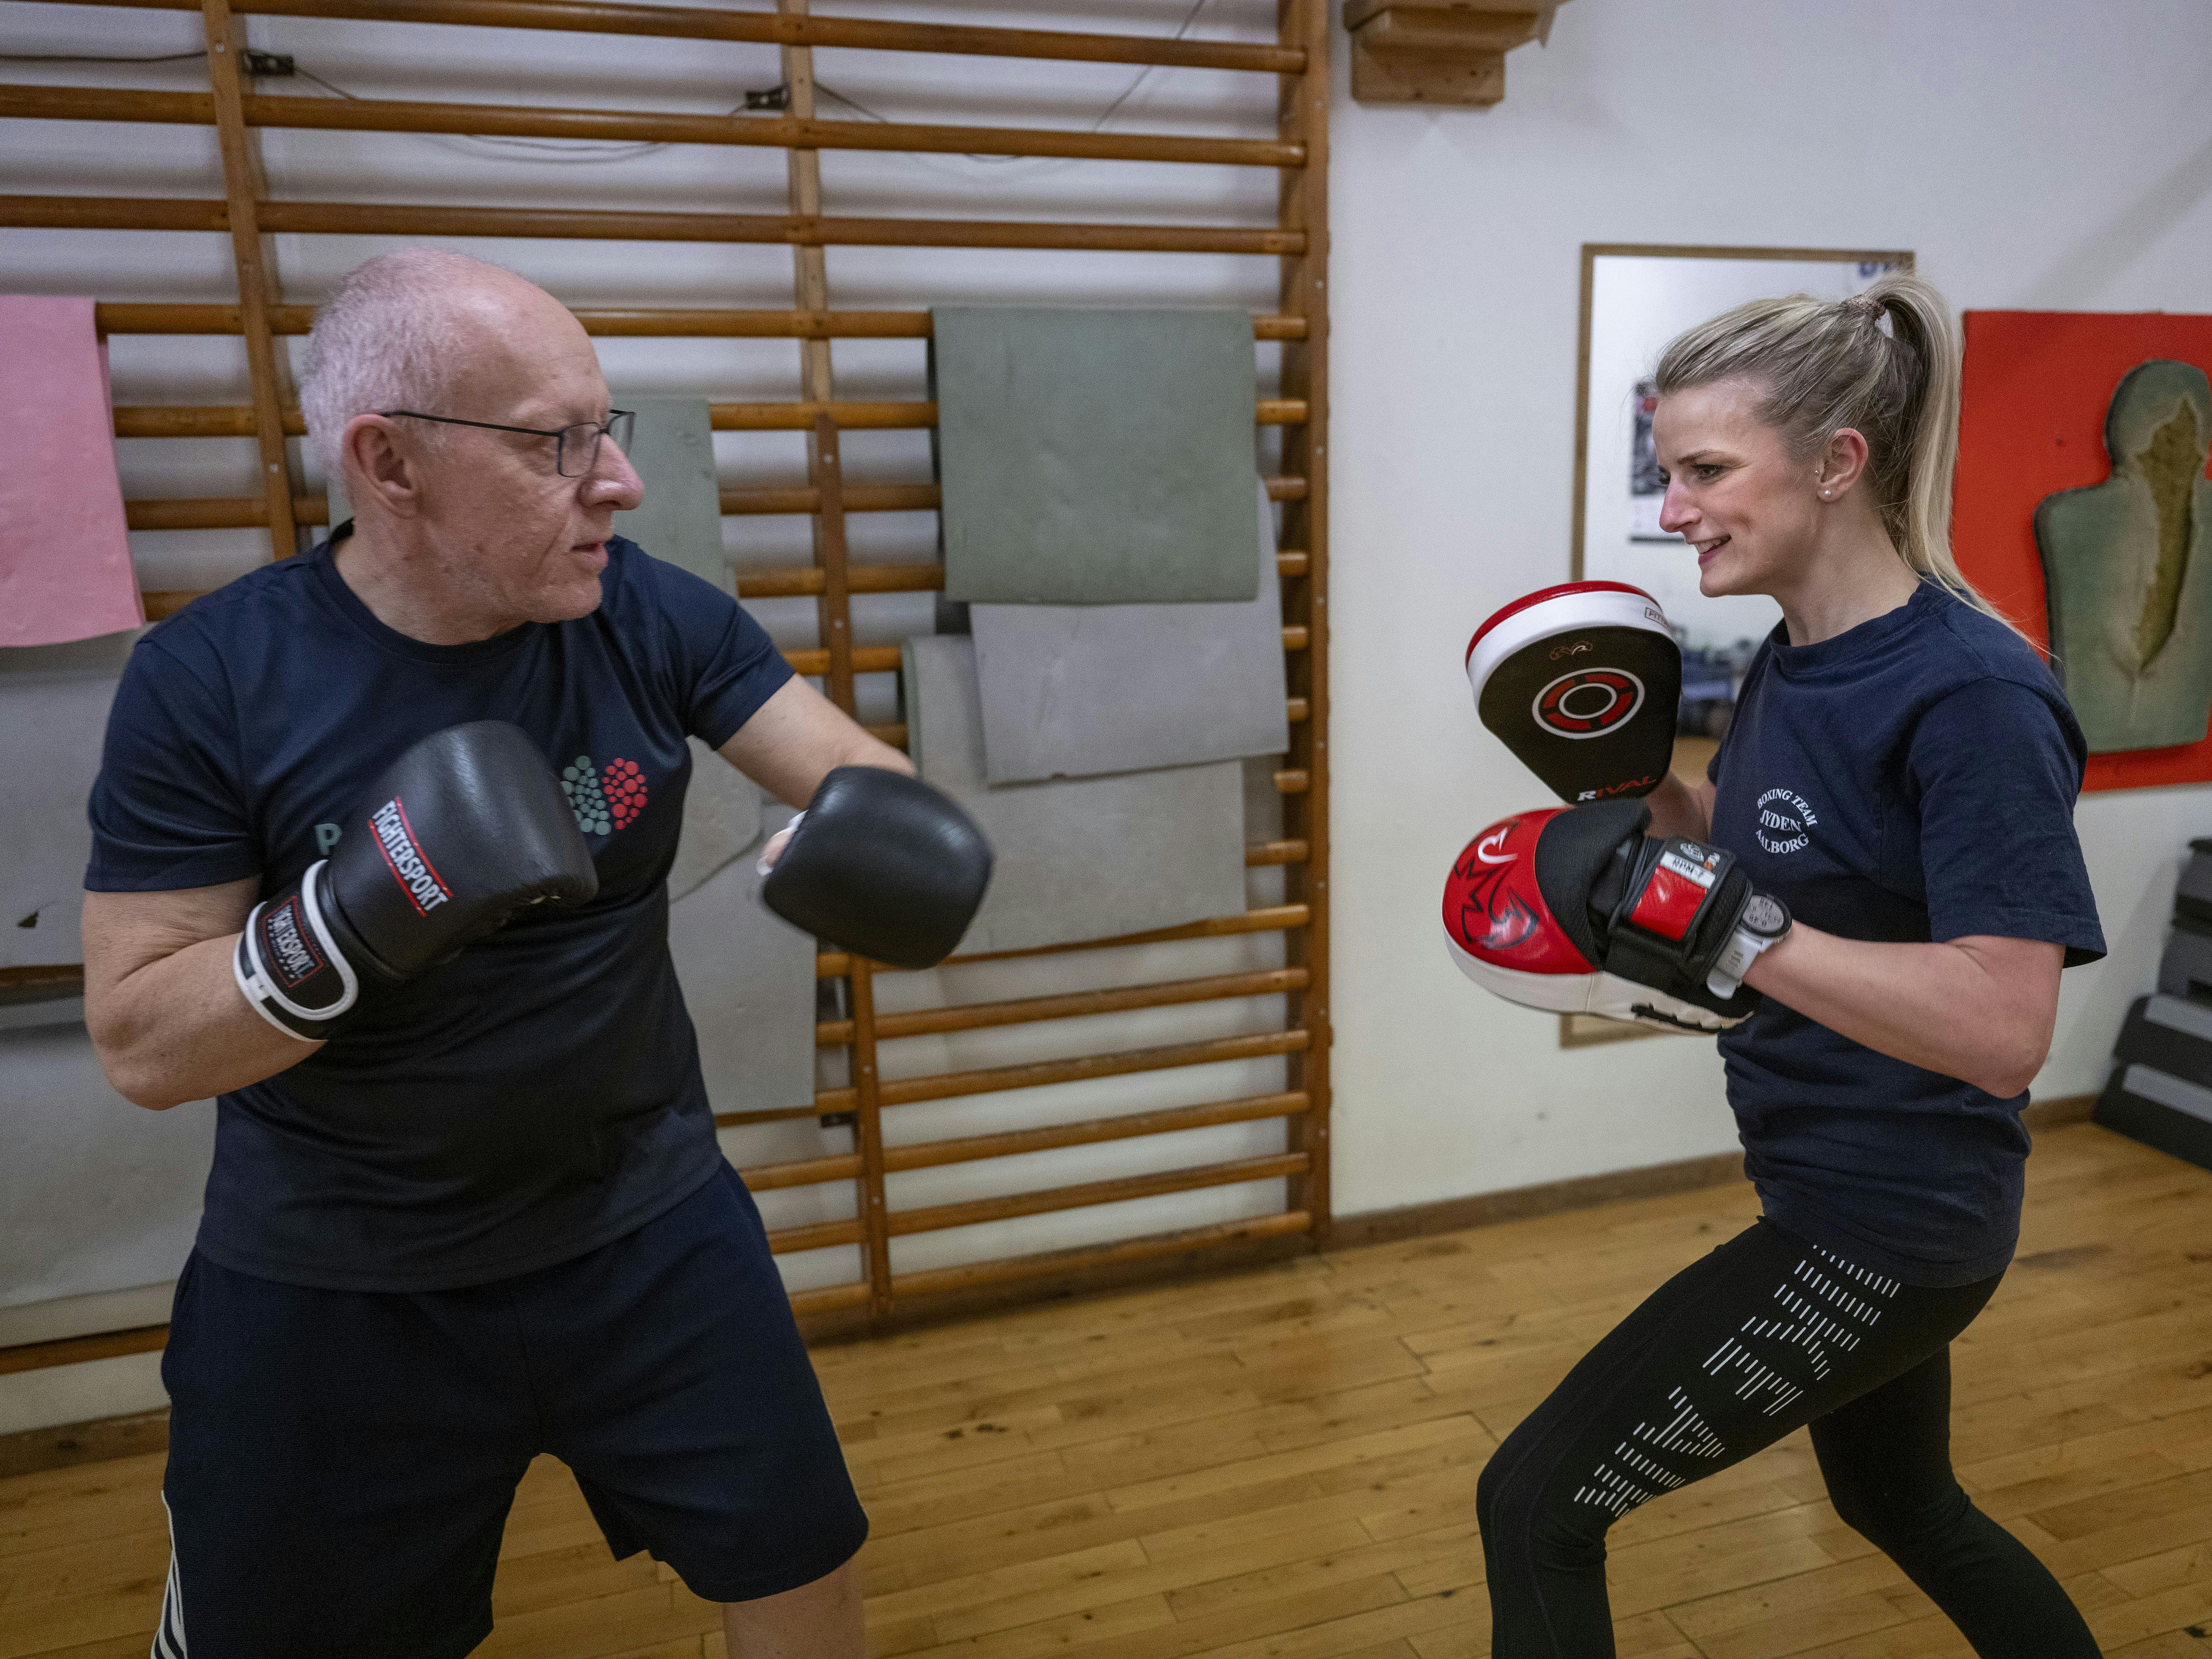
pixel 1764 1335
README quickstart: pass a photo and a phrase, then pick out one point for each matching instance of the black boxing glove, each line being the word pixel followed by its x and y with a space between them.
pixel 462 831
pixel 1663 911
pixel 882 864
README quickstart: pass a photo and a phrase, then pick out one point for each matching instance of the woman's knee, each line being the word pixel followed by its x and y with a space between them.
pixel 1516 1503
pixel 1901 1518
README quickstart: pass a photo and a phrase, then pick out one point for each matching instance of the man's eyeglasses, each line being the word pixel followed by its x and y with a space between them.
pixel 577 447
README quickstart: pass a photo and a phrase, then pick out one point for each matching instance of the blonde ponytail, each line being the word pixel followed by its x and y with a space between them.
pixel 1825 365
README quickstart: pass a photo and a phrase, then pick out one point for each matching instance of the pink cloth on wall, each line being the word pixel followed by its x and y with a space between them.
pixel 65 554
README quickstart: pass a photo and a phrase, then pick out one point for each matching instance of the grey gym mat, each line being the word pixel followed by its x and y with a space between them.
pixel 100 1195
pixel 1073 691
pixel 747 979
pixel 53 720
pixel 1077 858
pixel 1093 457
pixel 680 519
pixel 721 819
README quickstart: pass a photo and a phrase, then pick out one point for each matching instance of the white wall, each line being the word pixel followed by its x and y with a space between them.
pixel 2040 155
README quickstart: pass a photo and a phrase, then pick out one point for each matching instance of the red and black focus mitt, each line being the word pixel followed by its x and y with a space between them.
pixel 1577 910
pixel 1583 683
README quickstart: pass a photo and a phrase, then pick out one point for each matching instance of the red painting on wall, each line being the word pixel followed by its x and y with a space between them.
pixel 2037 389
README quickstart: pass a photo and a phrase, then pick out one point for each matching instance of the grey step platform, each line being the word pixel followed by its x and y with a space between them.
pixel 2147 1102
pixel 2185 969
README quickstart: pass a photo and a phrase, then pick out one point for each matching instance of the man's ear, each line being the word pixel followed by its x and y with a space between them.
pixel 379 465
pixel 1842 462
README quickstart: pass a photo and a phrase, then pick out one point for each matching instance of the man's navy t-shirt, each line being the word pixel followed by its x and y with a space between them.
pixel 1912 779
pixel 539 1095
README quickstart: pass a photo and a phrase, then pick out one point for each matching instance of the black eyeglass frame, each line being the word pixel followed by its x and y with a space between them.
pixel 625 418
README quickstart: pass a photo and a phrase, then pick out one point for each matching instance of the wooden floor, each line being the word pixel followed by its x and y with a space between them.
pixel 1282 1465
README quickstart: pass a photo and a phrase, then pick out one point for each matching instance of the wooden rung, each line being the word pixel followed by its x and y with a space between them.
pixel 803 1172
pixel 77 1350
pixel 1276 852
pixel 161 602
pixel 250 512
pixel 1268 918
pixel 970 1275
pixel 186 421
pixel 521 121
pixel 52 103
pixel 1035 1074
pixel 858 498
pixel 938 1217
pixel 931 1154
pixel 132 318
pixel 1293 781
pixel 786 29
pixel 818 1236
pixel 797 582
pixel 978 1016
pixel 800 582
pixel 216 420
pixel 866 660
pixel 895 734
pixel 780 1114
pixel 829 1298
pixel 374 218
pixel 885 659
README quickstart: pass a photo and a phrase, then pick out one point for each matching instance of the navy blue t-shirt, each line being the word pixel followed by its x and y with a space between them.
pixel 539 1095
pixel 1912 779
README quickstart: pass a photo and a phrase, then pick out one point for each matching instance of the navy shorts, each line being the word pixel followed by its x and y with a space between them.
pixel 341 1463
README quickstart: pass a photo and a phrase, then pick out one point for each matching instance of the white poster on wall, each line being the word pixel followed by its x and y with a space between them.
pixel 1638 304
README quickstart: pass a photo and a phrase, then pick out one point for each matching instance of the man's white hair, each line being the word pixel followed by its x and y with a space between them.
pixel 384 339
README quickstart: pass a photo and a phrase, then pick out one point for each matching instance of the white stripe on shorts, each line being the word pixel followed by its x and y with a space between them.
pixel 169 1638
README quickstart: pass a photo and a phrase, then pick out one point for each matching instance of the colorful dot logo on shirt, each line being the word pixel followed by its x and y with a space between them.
pixel 624 784
pixel 604 802
pixel 580 782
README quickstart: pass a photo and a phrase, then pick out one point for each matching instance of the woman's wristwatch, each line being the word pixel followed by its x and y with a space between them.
pixel 1763 924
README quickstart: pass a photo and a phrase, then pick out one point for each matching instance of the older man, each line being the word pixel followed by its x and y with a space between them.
pixel 476 1213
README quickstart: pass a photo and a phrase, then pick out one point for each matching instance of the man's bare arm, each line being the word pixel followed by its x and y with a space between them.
pixel 797 738
pixel 165 1014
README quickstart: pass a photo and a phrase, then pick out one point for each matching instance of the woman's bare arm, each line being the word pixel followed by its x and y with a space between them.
pixel 1980 1008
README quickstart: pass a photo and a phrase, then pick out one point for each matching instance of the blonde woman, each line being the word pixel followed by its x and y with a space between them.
pixel 1901 774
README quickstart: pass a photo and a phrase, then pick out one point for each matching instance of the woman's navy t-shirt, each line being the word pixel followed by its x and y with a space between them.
pixel 539 1095
pixel 1912 779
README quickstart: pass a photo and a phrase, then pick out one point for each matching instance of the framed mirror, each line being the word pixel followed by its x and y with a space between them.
pixel 1635 300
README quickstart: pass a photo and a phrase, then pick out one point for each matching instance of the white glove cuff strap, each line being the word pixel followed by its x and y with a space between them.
pixel 259 987
pixel 761 866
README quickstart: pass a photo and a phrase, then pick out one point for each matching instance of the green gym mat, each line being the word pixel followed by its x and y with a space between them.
pixel 1092 457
